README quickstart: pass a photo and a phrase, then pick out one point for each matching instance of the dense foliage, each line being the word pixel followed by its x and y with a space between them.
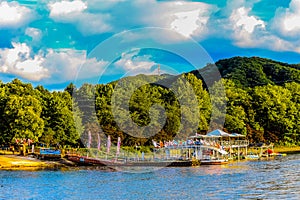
pixel 38 115
pixel 262 102
pixel 255 71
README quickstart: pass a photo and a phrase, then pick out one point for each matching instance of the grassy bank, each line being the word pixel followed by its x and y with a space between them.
pixel 283 149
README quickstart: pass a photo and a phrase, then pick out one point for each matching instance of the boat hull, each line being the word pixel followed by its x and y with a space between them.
pixel 82 160
pixel 214 162
pixel 252 157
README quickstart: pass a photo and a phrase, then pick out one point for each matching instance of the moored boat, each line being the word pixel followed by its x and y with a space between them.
pixel 214 162
pixel 47 153
pixel 252 157
pixel 84 160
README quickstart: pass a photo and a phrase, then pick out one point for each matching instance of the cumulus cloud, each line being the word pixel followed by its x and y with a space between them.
pixel 51 66
pixel 249 31
pixel 91 24
pixel 63 8
pixel 245 27
pixel 187 18
pixel 12 15
pixel 241 19
pixel 236 23
pixel 74 12
pixel 92 17
pixel 286 20
pixel 35 34
pixel 186 23
pixel 69 64
pixel 18 61
pixel 133 64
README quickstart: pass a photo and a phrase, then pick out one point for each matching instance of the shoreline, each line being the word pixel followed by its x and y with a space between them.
pixel 287 150
pixel 10 162
pixel 16 162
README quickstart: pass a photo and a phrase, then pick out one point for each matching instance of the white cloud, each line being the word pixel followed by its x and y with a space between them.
pixel 134 64
pixel 63 8
pixel 51 66
pixel 187 18
pixel 236 23
pixel 35 34
pixel 18 61
pixel 187 23
pixel 67 64
pixel 90 24
pixel 74 12
pixel 251 32
pixel 240 19
pixel 92 17
pixel 246 29
pixel 286 20
pixel 12 15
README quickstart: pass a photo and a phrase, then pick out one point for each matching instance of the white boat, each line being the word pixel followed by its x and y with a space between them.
pixel 214 162
pixel 211 155
pixel 252 157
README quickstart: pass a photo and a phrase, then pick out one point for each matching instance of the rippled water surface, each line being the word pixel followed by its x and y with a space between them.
pixel 269 179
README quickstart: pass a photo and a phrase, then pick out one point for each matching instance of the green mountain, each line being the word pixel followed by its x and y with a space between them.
pixel 254 71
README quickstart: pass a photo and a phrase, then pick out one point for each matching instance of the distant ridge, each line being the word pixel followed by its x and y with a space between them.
pixel 254 71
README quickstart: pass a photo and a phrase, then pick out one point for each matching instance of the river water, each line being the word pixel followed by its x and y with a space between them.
pixel 268 179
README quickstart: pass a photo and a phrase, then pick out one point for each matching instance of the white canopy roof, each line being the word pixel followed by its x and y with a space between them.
pixel 218 132
pixel 237 135
pixel 221 133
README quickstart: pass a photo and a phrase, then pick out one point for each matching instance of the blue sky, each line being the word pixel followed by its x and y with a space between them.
pixel 55 42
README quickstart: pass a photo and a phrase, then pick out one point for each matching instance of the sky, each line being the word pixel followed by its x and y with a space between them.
pixel 55 42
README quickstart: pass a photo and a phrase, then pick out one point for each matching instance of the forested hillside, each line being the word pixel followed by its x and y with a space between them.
pixel 262 102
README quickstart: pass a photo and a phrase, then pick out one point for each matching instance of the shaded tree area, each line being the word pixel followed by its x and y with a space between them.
pixel 139 109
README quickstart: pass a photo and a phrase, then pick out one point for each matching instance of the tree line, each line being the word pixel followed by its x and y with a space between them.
pixel 262 102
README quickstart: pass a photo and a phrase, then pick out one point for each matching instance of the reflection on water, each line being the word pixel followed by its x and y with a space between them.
pixel 270 179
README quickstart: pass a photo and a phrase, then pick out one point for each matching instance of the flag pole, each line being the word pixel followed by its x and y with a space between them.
pixel 118 148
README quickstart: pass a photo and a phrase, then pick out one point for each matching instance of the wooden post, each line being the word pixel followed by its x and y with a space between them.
pixel 24 149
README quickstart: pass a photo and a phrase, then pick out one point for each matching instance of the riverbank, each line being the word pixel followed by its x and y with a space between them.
pixel 288 150
pixel 14 162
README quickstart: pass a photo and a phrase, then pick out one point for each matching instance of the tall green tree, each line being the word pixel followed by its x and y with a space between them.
pixel 204 103
pixel 23 114
pixel 238 101
pixel 275 111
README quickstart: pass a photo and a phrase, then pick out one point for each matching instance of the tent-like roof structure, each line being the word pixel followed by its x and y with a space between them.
pixel 237 135
pixel 218 132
